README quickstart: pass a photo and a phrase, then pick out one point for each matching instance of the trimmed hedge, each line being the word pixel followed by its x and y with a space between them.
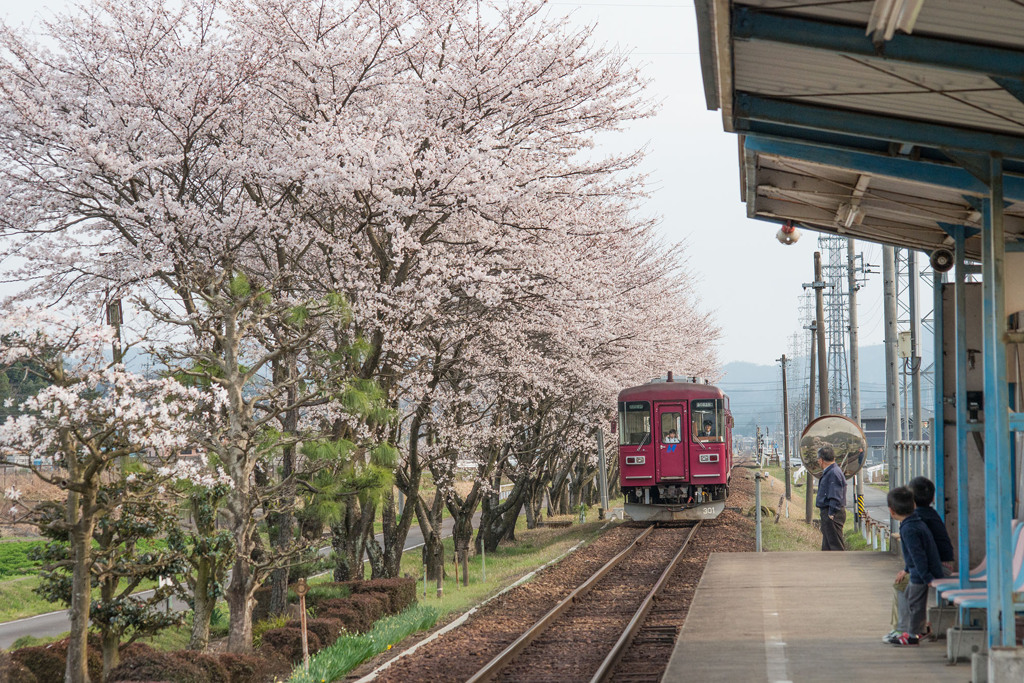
pixel 47 662
pixel 327 630
pixel 254 668
pixel 401 591
pixel 351 618
pixel 167 667
pixel 370 607
pixel 12 671
pixel 211 665
pixel 288 641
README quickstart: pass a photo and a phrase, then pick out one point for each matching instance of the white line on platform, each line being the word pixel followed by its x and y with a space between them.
pixel 774 646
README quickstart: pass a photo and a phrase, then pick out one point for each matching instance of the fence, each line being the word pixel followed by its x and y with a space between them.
pixel 875 533
pixel 913 459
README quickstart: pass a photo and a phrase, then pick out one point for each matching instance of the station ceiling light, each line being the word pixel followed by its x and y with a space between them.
pixel 888 16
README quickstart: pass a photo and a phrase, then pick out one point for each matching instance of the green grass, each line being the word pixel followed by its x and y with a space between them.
pixel 14 558
pixel 350 651
pixel 18 601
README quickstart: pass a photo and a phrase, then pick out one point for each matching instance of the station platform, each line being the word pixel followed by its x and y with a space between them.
pixel 800 616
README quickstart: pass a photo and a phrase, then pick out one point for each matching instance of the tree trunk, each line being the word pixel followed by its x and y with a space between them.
pixel 76 670
pixel 202 608
pixel 111 655
pixel 239 599
pixel 433 546
pixel 345 537
pixel 282 524
pixel 243 582
pixel 110 638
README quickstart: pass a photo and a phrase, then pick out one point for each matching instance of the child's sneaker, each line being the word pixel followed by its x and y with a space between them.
pixel 905 639
pixel 891 637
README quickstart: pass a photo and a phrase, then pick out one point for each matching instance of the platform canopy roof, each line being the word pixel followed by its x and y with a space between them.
pixel 877 119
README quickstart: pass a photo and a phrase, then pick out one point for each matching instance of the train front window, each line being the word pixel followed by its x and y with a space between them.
pixel 708 419
pixel 634 423
pixel 670 424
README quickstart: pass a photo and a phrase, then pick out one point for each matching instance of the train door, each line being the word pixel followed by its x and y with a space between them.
pixel 671 440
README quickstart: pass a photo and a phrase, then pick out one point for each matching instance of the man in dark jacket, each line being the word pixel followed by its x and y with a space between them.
pixel 831 500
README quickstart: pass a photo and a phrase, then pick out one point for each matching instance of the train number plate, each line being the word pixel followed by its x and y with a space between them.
pixel 709 457
pixel 635 460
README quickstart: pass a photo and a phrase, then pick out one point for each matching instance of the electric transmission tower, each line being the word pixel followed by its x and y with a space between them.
pixel 834 272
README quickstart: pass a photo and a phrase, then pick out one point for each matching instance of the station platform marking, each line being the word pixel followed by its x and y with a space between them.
pixel 800 617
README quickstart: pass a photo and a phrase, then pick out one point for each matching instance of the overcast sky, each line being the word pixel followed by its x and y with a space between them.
pixel 750 281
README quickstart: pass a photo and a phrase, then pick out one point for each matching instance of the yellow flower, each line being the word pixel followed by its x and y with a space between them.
pixel 389 647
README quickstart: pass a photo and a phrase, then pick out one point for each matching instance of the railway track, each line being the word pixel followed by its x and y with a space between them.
pixel 586 635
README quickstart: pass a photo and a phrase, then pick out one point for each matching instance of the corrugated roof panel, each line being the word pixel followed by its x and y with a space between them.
pixel 923 107
pixel 875 86
pixel 991 22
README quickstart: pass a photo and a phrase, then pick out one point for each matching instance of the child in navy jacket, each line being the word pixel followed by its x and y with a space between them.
pixel 922 565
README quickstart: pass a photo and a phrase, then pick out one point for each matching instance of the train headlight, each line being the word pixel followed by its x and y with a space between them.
pixel 635 460
pixel 709 457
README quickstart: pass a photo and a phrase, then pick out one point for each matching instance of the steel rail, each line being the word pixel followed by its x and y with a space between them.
pixel 605 670
pixel 490 669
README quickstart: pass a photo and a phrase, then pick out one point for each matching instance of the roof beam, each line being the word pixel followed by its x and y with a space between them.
pixel 750 107
pixel 925 172
pixel 943 53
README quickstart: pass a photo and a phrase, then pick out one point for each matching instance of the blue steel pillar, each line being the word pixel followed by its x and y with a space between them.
pixel 938 420
pixel 963 552
pixel 998 482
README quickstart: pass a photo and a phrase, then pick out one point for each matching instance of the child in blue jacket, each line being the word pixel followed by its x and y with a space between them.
pixel 922 565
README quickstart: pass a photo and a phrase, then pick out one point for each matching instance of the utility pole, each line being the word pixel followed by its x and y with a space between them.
pixel 115 319
pixel 757 445
pixel 809 488
pixel 892 403
pixel 785 427
pixel 851 267
pixel 915 345
pixel 819 305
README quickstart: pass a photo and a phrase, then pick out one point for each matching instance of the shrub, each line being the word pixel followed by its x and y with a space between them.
pixel 328 604
pixel 215 671
pixel 12 671
pixel 168 667
pixel 401 591
pixel 245 668
pixel 384 599
pixel 47 662
pixel 135 650
pixel 93 658
pixel 327 630
pixel 42 661
pixel 288 641
pixel 352 620
pixel 371 608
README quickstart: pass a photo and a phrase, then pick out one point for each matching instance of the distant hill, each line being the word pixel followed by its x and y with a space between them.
pixel 755 391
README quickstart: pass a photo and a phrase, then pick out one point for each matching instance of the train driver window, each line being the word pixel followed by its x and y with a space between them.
pixel 708 419
pixel 634 423
pixel 670 424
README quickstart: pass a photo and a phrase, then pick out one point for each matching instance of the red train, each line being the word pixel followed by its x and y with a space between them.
pixel 680 469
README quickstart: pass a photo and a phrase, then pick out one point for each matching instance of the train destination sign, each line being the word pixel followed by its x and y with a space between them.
pixel 843 434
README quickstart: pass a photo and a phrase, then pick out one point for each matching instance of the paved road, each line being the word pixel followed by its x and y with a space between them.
pixel 55 623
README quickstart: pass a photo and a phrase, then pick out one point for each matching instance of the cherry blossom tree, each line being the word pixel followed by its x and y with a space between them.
pixel 270 182
pixel 89 416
